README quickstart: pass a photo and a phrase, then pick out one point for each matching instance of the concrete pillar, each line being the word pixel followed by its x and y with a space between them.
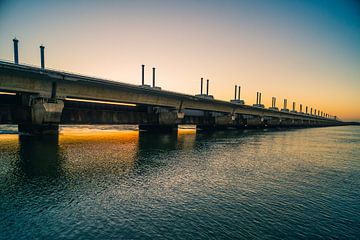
pixel 271 122
pixel 257 98
pixel 235 92
pixel 40 116
pixel 301 108
pixel 164 122
pixel 255 122
pixel 306 109
pixel 16 51
pixel 158 128
pixel 224 121
pixel 201 87
pixel 239 93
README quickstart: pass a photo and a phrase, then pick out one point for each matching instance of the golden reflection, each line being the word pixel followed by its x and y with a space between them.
pixel 98 150
pixel 68 135
pixel 186 137
pixel 7 138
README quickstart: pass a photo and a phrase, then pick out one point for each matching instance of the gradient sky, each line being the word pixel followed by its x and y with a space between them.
pixel 305 51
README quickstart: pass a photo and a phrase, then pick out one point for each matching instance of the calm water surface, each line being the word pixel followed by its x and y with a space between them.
pixel 109 184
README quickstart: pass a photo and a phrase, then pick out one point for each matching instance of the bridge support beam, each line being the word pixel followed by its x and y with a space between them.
pixel 272 122
pixel 255 122
pixel 39 116
pixel 165 122
pixel 211 122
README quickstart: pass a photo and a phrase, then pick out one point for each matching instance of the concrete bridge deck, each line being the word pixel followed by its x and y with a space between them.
pixel 42 98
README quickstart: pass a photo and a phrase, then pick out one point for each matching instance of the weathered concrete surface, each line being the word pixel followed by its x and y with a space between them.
pixel 43 112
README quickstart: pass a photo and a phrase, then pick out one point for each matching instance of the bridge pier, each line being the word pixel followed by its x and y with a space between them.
pixel 38 115
pixel 254 122
pixel 164 122
pixel 210 122
pixel 29 129
pixel 272 122
pixel 158 127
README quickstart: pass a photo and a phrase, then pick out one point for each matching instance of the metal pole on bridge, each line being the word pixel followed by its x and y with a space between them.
pixel 259 97
pixel 16 51
pixel 42 56
pixel 153 77
pixel 143 74
pixel 207 87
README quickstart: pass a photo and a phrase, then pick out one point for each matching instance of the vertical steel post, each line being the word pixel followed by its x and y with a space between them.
pixel 207 87
pixel 143 74
pixel 235 92
pixel 42 56
pixel 239 93
pixel 259 97
pixel 16 51
pixel 153 77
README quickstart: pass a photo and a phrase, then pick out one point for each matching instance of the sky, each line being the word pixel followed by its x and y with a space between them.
pixel 304 51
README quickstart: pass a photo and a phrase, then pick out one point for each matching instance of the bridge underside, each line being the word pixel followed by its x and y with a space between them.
pixel 36 116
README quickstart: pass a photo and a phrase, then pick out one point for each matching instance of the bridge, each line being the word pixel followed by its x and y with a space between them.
pixel 39 99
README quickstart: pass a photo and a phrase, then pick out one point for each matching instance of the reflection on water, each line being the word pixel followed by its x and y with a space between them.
pixel 39 157
pixel 99 152
pixel 108 183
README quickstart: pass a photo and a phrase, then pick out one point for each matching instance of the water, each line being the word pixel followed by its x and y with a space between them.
pixel 109 184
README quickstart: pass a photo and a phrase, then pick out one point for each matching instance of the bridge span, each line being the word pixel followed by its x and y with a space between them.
pixel 39 99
